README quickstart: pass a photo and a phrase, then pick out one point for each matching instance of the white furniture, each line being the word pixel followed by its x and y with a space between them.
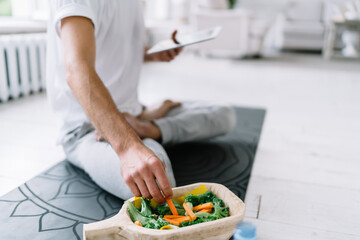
pixel 300 26
pixel 343 30
pixel 350 36
pixel 242 33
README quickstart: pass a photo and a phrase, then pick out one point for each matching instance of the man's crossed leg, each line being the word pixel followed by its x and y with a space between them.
pixel 167 123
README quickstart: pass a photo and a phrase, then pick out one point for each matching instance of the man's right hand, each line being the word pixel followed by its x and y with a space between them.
pixel 144 173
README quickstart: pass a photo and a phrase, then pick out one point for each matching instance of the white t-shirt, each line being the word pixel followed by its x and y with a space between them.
pixel 119 33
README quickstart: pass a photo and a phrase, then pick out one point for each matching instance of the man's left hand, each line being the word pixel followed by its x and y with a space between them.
pixel 166 56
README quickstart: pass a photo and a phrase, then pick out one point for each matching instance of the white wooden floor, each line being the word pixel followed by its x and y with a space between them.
pixel 306 178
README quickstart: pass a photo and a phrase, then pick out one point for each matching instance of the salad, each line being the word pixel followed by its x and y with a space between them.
pixel 192 208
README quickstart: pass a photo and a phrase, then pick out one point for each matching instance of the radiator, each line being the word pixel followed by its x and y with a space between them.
pixel 22 65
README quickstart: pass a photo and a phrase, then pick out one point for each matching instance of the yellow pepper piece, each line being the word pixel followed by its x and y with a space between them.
pixel 197 191
pixel 166 227
pixel 153 203
pixel 137 202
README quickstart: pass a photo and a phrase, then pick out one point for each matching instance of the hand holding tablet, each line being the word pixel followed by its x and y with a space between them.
pixel 184 40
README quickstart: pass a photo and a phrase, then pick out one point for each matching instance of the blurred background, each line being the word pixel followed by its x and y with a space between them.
pixel 251 27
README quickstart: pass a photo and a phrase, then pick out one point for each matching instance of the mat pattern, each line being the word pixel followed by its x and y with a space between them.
pixel 55 204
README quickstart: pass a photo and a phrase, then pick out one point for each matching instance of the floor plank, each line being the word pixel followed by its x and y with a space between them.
pixel 24 162
pixel 267 230
pixel 8 184
pixel 307 205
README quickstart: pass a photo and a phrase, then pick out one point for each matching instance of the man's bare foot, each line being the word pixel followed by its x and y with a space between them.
pixel 144 128
pixel 159 110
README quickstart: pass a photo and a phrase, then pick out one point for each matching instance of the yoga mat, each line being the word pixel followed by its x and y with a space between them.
pixel 55 204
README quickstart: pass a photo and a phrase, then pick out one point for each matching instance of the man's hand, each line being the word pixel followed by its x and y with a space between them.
pixel 144 173
pixel 166 56
pixel 139 166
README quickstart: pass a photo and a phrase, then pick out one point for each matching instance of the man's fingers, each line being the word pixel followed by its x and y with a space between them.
pixel 154 190
pixel 164 184
pixel 171 54
pixel 173 37
pixel 178 50
pixel 162 179
pixel 166 57
pixel 133 188
pixel 156 170
pixel 143 188
pixel 162 57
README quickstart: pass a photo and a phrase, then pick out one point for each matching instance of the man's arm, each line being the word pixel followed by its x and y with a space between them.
pixel 139 165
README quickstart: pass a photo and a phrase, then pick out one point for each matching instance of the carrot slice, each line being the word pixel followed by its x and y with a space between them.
pixel 203 206
pixel 138 223
pixel 206 210
pixel 189 212
pixel 173 216
pixel 177 217
pixel 177 220
pixel 171 206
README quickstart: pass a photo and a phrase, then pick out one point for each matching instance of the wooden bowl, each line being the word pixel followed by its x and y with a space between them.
pixel 121 226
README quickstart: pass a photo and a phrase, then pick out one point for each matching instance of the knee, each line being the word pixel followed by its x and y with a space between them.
pixel 123 193
pixel 158 150
pixel 229 118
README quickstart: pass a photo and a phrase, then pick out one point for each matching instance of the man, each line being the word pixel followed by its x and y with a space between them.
pixel 95 52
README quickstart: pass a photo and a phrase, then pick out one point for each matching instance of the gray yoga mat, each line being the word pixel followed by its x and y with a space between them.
pixel 55 204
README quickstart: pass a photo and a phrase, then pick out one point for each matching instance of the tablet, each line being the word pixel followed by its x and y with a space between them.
pixel 185 40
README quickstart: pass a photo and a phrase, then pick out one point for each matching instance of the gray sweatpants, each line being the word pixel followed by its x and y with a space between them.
pixel 189 122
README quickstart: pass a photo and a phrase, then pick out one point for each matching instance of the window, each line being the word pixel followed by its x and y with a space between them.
pixel 33 9
pixel 5 7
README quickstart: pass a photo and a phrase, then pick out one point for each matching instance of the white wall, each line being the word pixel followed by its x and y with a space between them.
pixel 269 8
pixel 263 8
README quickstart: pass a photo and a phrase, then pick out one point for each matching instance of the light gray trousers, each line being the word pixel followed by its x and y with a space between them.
pixel 189 122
